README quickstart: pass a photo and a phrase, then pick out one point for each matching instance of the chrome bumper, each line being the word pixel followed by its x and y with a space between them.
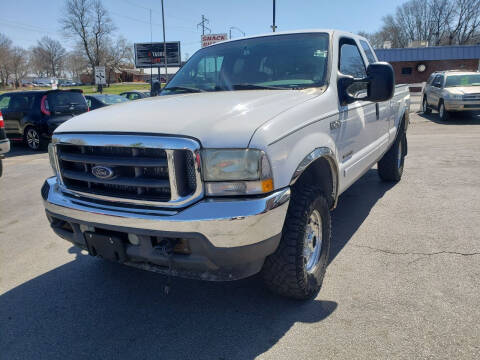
pixel 224 222
pixel 4 146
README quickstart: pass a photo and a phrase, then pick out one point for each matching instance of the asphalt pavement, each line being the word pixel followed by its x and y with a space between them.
pixel 403 281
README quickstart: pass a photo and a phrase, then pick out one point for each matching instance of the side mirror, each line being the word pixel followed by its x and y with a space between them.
pixel 379 85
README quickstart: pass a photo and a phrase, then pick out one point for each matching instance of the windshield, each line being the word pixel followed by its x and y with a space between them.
pixel 463 80
pixel 111 99
pixel 291 61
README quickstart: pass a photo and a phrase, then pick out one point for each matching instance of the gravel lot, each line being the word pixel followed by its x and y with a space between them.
pixel 403 282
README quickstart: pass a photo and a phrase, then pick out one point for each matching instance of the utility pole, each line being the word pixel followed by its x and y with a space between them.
pixel 203 25
pixel 164 46
pixel 151 52
pixel 274 27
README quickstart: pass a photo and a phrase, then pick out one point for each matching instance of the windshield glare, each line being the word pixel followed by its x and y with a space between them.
pixel 463 80
pixel 289 61
pixel 111 99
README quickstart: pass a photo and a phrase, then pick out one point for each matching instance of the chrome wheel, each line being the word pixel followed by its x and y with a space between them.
pixel 312 244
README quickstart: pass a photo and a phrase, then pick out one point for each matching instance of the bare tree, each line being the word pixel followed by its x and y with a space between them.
pixel 75 64
pixel 88 22
pixel 48 56
pixel 5 59
pixel 19 64
pixel 117 55
pixel 439 22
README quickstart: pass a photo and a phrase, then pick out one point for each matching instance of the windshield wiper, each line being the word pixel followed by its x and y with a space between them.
pixel 184 88
pixel 257 87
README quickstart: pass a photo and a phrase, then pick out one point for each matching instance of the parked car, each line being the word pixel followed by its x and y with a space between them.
pixel 34 115
pixel 450 92
pixel 4 142
pixel 100 100
pixel 136 94
pixel 240 177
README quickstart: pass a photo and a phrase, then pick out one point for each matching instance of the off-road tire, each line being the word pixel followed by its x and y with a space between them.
pixel 284 272
pixel 390 166
pixel 425 108
pixel 443 114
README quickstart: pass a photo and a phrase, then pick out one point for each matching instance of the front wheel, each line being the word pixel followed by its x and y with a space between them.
pixel 425 108
pixel 297 267
pixel 442 113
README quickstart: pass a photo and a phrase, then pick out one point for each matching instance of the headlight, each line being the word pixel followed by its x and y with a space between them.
pixel 236 172
pixel 51 157
pixel 454 96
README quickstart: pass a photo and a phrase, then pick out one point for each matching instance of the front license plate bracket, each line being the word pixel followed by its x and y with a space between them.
pixel 105 246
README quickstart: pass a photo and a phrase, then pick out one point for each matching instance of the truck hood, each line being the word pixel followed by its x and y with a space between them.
pixel 217 119
pixel 464 90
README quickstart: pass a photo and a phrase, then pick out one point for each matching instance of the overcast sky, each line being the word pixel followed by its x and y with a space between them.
pixel 25 21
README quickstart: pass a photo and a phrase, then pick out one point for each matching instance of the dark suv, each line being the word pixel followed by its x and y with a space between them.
pixel 34 115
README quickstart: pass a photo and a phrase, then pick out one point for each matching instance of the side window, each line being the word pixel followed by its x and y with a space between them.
pixel 438 81
pixel 430 79
pixel 351 62
pixel 4 101
pixel 368 52
pixel 21 102
pixel 134 96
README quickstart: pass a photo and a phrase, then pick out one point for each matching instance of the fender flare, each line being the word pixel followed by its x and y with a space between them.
pixel 318 153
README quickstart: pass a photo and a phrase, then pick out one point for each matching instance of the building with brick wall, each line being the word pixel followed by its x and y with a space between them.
pixel 414 65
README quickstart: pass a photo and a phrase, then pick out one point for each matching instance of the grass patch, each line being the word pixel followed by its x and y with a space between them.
pixel 92 89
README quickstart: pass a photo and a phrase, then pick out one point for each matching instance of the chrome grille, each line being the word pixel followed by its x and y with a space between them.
pixel 471 97
pixel 146 169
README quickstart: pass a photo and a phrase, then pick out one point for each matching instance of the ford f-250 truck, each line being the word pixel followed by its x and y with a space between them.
pixel 235 168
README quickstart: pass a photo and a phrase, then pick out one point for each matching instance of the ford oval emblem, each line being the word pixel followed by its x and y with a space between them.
pixel 102 172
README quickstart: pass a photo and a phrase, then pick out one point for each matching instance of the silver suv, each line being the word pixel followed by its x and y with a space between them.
pixel 451 91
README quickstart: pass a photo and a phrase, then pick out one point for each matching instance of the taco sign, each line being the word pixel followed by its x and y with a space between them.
pixel 212 39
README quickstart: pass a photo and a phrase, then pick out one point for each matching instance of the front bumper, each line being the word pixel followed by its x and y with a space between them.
pixel 229 238
pixel 462 105
pixel 4 146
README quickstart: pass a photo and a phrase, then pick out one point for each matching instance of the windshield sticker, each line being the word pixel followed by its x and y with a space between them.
pixel 320 53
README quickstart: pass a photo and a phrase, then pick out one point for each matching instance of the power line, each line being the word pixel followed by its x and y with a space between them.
pixel 179 28
pixel 203 25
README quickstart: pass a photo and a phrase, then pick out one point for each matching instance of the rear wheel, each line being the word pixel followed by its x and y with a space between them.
pixel 390 166
pixel 442 113
pixel 425 108
pixel 33 139
pixel 297 267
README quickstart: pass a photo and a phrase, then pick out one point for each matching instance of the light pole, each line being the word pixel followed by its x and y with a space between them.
pixel 164 47
pixel 235 28
pixel 274 27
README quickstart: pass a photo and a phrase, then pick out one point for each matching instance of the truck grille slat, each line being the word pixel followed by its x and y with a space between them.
pixel 122 181
pixel 104 160
pixel 141 172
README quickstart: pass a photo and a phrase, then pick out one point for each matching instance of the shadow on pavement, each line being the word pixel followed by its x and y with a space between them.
pixel 455 119
pixel 89 308
pixel 17 148
pixel 354 206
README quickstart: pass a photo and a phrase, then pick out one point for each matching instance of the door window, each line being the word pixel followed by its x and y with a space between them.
pixel 368 51
pixel 438 81
pixel 21 102
pixel 4 101
pixel 351 63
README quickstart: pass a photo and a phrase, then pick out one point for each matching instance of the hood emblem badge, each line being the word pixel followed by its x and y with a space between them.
pixel 103 172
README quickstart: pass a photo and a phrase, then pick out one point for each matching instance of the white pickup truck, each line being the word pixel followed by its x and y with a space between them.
pixel 234 169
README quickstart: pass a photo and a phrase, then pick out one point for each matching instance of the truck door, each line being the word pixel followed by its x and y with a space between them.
pixel 359 122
